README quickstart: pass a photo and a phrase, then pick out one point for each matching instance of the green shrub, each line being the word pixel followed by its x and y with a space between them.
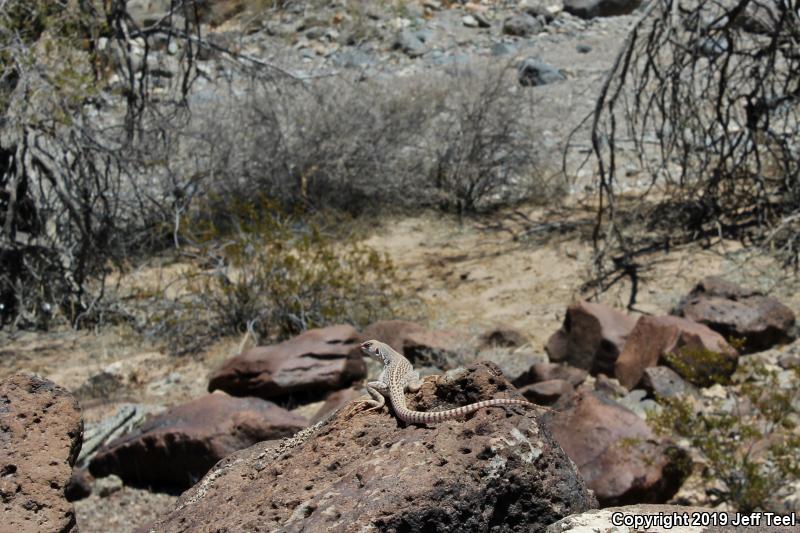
pixel 263 271
pixel 751 449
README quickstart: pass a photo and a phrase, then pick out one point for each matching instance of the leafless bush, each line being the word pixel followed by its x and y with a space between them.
pixel 706 97
pixel 461 143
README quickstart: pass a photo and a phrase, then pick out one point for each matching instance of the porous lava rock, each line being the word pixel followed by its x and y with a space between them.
pixel 312 363
pixel 499 469
pixel 176 448
pixel 40 438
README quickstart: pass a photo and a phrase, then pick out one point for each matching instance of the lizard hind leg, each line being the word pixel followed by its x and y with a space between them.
pixel 378 400
pixel 414 382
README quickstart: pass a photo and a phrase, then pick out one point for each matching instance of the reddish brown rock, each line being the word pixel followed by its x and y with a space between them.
pixel 738 313
pixel 176 448
pixel 615 451
pixel 313 363
pixel 40 437
pixel 499 469
pixel 691 345
pixel 547 392
pixel 548 371
pixel 591 338
pixel 421 346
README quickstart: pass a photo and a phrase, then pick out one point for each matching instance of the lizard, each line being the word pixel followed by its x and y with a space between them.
pixel 398 376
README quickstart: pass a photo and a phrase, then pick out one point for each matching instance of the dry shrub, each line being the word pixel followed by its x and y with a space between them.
pixel 275 276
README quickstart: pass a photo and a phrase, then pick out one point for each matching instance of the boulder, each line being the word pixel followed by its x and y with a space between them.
pixel 421 346
pixel 663 382
pixel 698 354
pixel 616 452
pixel 497 469
pixel 547 392
pixel 549 371
pixel 588 9
pixel 176 448
pixel 621 520
pixel 738 313
pixel 533 72
pixel 313 363
pixel 40 438
pixel 591 338
pixel 523 25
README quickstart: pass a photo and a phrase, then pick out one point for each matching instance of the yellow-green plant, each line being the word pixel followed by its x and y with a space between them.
pixel 263 270
pixel 750 443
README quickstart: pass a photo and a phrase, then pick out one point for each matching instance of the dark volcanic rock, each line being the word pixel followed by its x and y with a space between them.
pixel 615 451
pixel 588 9
pixel 315 362
pixel 738 313
pixel 177 447
pixel 592 337
pixel 690 343
pixel 499 469
pixel 40 437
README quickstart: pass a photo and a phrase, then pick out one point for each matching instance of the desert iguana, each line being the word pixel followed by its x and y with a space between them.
pixel 398 376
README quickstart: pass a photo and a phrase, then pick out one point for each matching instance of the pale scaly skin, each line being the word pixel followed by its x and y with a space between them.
pixel 398 376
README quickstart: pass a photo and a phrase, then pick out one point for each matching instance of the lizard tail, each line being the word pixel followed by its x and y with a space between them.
pixel 426 417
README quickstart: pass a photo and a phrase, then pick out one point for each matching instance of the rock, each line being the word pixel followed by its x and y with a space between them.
pixel 663 382
pixel 615 451
pixel 503 337
pixel 547 392
pixel 603 520
pixel 40 437
pixel 515 365
pixel 522 25
pixel 583 48
pixel 698 354
pixel 549 371
pixel 362 470
pixel 736 312
pixel 469 21
pixel 423 347
pixel 176 448
pixel 592 337
pixel 609 387
pixel 587 9
pixel 79 485
pixel 532 73
pixel 314 362
pixel 106 486
pixel 410 43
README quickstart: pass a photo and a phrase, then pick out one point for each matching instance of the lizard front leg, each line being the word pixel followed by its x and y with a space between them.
pixel 376 389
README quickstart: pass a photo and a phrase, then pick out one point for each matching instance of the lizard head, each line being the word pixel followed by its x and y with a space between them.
pixel 376 350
